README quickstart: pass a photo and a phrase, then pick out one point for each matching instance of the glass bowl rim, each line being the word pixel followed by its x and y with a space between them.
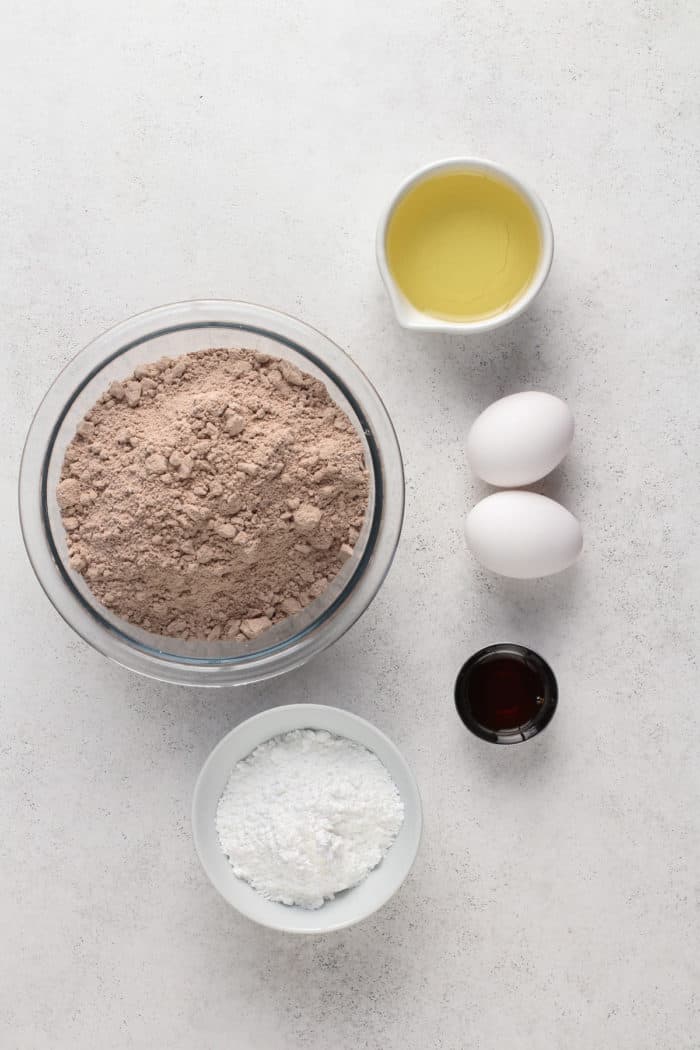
pixel 119 339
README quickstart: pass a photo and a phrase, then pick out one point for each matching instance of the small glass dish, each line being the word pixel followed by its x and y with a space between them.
pixel 506 694
pixel 171 331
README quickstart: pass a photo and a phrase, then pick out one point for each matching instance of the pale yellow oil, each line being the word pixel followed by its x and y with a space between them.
pixel 463 246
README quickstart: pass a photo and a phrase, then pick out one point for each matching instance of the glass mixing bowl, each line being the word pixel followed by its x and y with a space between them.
pixel 171 331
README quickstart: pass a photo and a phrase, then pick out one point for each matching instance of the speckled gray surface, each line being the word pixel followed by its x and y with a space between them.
pixel 155 152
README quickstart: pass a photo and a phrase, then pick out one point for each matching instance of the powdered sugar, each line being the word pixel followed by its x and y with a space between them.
pixel 306 815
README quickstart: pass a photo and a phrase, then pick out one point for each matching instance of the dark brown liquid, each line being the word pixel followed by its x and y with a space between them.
pixel 502 692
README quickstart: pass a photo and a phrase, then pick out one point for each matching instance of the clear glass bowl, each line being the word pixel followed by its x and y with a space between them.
pixel 171 331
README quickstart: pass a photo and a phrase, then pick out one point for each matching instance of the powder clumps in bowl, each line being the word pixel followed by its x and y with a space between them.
pixel 307 815
pixel 212 495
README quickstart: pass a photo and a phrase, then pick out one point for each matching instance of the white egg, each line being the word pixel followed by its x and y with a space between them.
pixel 524 535
pixel 520 438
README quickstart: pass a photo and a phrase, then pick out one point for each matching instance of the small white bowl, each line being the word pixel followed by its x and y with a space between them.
pixel 351 905
pixel 406 314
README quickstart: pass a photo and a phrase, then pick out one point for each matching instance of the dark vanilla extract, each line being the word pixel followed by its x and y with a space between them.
pixel 506 694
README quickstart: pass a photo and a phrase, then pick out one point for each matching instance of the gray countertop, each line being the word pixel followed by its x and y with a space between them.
pixel 155 152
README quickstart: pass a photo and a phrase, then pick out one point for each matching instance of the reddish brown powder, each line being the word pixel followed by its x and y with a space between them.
pixel 212 495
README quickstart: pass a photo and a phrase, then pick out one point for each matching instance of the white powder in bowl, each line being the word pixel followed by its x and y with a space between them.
pixel 306 815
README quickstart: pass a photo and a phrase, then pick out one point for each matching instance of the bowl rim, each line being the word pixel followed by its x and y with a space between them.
pixel 385 463
pixel 302 712
pixel 406 313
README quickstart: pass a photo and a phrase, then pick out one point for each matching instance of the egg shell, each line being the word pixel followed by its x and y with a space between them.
pixel 520 438
pixel 523 535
